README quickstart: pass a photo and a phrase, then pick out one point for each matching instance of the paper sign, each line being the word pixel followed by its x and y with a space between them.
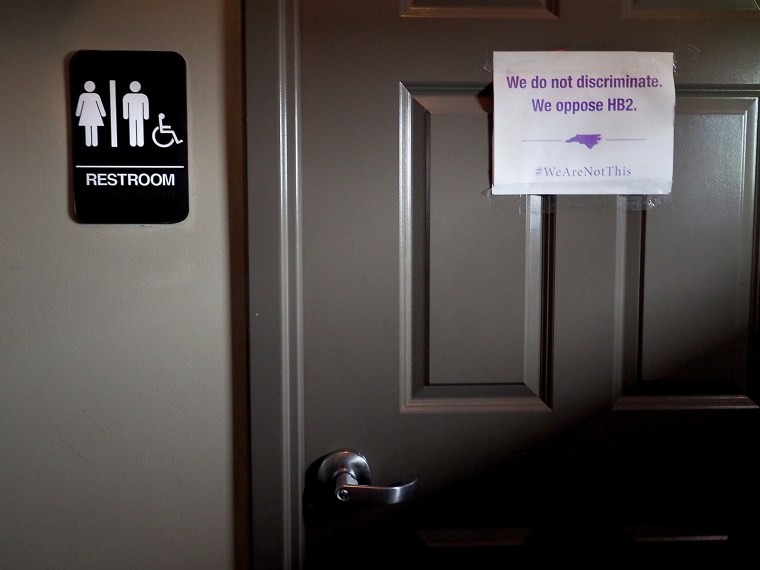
pixel 583 122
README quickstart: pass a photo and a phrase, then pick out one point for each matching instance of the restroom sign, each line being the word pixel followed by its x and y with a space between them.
pixel 128 117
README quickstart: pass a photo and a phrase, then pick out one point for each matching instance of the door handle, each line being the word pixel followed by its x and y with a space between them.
pixel 347 474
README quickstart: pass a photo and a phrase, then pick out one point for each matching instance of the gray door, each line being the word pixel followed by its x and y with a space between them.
pixel 552 371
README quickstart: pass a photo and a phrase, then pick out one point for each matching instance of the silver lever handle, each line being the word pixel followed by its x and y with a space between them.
pixel 349 472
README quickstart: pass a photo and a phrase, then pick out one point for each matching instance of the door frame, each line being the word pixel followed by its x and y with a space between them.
pixel 274 277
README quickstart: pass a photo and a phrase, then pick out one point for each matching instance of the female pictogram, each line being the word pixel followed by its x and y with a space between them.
pixel 90 111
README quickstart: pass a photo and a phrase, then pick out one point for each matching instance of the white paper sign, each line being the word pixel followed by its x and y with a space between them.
pixel 583 122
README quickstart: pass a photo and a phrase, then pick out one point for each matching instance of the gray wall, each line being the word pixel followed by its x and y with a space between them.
pixel 122 366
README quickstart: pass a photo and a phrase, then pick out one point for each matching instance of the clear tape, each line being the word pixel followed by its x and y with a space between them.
pixel 488 65
pixel 500 204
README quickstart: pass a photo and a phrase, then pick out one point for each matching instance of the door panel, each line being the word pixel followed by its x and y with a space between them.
pixel 470 265
pixel 573 370
pixel 476 261
pixel 698 249
pixel 691 280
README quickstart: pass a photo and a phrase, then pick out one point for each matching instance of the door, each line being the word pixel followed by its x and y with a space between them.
pixel 554 372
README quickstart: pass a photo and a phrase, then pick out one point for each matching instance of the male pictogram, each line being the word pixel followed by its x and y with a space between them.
pixel 136 109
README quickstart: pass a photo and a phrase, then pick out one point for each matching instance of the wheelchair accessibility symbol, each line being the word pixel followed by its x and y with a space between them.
pixel 163 135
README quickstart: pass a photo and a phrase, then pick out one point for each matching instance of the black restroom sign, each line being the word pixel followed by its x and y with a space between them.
pixel 128 117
